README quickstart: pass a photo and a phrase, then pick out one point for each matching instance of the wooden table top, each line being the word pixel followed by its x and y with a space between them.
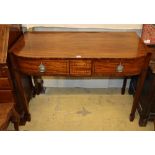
pixel 79 45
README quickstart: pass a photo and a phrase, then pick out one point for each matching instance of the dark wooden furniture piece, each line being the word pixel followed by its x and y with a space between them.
pixel 146 105
pixel 79 54
pixel 14 34
pixel 9 94
pixel 7 101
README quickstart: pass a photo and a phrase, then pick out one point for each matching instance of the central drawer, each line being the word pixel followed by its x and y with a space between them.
pixel 43 67
pixel 80 67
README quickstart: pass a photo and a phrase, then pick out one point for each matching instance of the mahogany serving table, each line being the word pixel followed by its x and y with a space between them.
pixel 80 54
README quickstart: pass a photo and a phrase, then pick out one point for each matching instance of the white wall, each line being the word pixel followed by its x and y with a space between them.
pixel 89 83
pixel 109 26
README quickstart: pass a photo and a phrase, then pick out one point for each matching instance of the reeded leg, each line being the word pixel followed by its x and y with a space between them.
pixel 137 94
pixel 19 85
pixel 124 86
pixel 139 87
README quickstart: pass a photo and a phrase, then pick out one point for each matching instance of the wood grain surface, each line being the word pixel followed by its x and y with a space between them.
pixel 109 67
pixel 4 83
pixel 6 96
pixel 79 45
pixel 4 36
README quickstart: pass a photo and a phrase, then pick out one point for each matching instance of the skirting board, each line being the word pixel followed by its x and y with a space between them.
pixel 85 83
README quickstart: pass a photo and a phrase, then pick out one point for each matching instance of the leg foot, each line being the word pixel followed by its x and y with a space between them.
pixel 16 126
pixel 130 91
pixel 142 122
pixel 132 117
pixel 15 119
pixel 26 117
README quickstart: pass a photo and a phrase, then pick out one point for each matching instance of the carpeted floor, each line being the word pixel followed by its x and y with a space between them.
pixel 79 109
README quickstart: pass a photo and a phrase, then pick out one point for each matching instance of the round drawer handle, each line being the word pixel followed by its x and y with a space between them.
pixel 120 68
pixel 42 68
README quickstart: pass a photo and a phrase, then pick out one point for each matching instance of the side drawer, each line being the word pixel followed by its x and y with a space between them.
pixel 4 83
pixel 6 96
pixel 80 67
pixel 118 67
pixel 3 72
pixel 43 67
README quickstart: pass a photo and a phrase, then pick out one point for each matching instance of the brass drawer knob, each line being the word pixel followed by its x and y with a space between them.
pixel 120 68
pixel 42 68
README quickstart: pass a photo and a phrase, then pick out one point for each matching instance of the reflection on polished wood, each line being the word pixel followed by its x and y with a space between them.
pixel 79 45
pixel 81 54
pixel 4 36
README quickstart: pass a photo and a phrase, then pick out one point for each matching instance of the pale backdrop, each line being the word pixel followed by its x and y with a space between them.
pixel 110 26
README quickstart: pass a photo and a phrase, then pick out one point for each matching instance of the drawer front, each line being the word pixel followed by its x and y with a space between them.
pixel 80 67
pixel 43 67
pixel 4 83
pixel 6 96
pixel 117 67
pixel 3 72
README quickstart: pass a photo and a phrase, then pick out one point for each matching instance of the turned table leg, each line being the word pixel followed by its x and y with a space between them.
pixel 124 86
pixel 20 89
pixel 137 95
pixel 23 95
pixel 139 87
